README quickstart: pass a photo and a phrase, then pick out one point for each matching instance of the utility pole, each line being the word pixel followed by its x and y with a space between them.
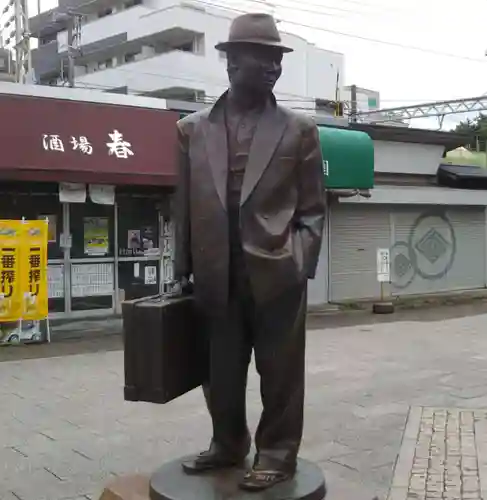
pixel 353 104
pixel 70 30
pixel 23 58
pixel 74 37
pixel 19 37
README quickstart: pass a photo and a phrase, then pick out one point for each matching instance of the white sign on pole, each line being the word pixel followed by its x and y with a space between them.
pixel 383 265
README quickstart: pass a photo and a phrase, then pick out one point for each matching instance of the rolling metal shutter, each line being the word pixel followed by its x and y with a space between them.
pixel 356 231
pixel 437 250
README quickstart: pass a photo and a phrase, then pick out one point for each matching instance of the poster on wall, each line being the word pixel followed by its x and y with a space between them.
pixel 150 275
pixel 55 281
pixel 148 240
pixel 102 194
pixel 51 227
pixel 72 192
pixel 90 280
pixel 141 242
pixel 96 236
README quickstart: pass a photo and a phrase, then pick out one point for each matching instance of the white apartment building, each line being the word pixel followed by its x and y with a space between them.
pixel 165 48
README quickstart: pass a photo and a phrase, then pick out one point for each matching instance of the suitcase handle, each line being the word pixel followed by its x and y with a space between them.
pixel 168 295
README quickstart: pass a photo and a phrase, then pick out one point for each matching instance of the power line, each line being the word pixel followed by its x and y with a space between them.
pixel 350 35
pixel 80 7
pixel 298 6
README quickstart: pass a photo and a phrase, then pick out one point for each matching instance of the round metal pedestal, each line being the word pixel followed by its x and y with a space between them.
pixel 171 483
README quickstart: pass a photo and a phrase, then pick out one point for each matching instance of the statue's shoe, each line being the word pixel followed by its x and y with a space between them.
pixel 258 480
pixel 211 460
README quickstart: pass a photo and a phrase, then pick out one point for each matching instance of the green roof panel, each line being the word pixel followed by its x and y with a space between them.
pixel 348 158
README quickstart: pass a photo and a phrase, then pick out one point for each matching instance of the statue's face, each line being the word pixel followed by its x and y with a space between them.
pixel 254 68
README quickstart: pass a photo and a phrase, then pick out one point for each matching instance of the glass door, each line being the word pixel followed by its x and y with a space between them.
pixel 138 247
pixel 91 256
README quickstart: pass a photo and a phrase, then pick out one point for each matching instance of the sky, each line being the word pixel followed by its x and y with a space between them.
pixel 402 75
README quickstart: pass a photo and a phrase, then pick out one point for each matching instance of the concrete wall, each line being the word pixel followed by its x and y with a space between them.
pixel 407 158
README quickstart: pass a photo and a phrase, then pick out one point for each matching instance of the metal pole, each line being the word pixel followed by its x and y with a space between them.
pixel 353 107
pixel 18 40
pixel 26 40
pixel 71 51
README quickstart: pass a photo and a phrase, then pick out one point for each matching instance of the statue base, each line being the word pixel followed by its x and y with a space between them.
pixel 170 482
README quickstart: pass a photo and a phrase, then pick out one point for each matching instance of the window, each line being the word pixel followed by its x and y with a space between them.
pixel 130 57
pixel 106 64
pixel 105 12
pixel 132 3
pixel 185 47
pixel 45 39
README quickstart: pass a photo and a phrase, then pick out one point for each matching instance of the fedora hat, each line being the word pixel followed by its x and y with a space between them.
pixel 257 28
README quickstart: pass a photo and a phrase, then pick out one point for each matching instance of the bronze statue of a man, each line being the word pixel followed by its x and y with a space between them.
pixel 249 220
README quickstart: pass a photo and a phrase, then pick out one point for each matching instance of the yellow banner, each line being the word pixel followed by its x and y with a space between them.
pixel 34 270
pixel 11 293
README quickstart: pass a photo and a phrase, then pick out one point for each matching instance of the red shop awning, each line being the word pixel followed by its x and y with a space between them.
pixel 46 139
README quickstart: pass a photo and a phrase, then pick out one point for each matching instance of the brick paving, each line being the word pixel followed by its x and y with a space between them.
pixel 372 390
pixel 443 456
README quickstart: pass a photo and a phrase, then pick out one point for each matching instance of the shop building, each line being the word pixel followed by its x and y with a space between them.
pixel 435 231
pixel 101 167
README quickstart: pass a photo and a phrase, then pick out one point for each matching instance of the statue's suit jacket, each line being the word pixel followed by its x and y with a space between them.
pixel 282 205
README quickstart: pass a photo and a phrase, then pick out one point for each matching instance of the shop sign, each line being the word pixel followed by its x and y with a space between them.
pixel 117 145
pixel 93 143
pixel 383 265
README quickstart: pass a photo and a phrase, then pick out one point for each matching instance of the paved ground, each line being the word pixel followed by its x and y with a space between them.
pixel 64 428
pixel 443 455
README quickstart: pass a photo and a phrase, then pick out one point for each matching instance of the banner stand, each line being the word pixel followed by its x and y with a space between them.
pixel 24 282
pixel 48 331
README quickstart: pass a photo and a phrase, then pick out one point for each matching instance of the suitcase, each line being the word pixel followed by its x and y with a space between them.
pixel 165 348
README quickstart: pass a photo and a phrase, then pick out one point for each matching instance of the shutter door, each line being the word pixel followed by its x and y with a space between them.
pixel 355 234
pixel 436 250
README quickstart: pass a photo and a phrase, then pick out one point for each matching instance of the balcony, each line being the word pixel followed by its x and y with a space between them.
pixel 106 27
pixel 175 69
pixel 46 60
